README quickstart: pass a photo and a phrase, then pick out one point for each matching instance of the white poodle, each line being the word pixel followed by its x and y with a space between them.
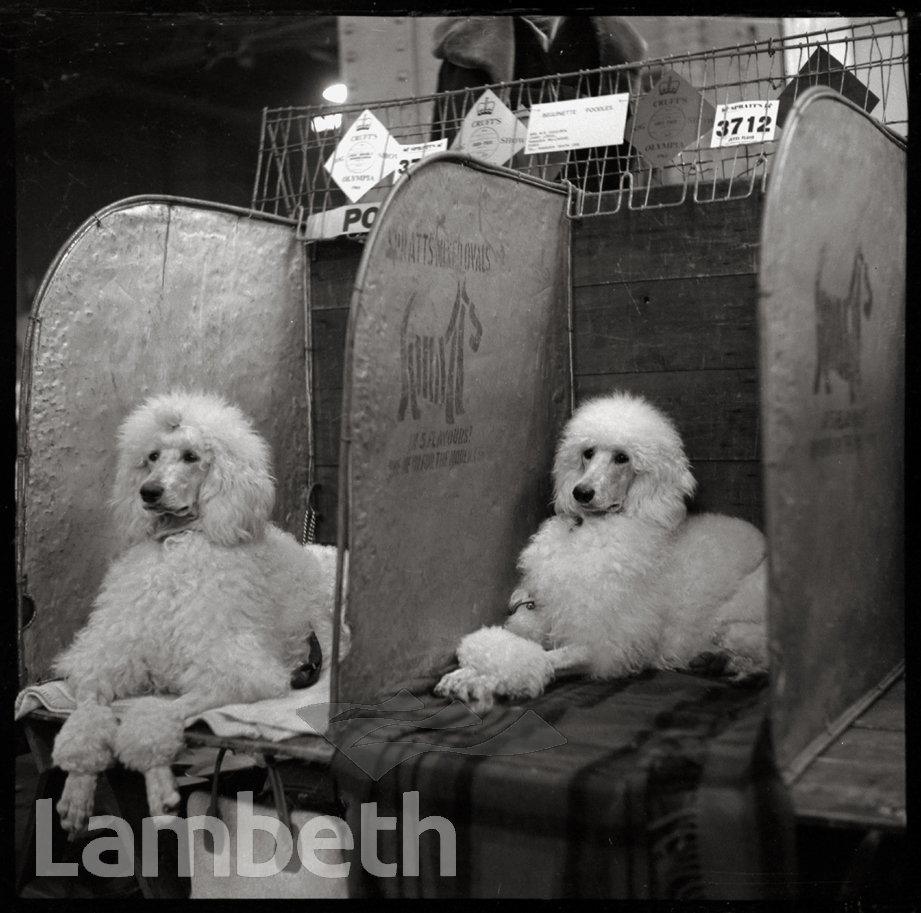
pixel 621 579
pixel 207 599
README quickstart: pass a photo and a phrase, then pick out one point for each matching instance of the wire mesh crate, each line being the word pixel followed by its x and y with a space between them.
pixel 705 125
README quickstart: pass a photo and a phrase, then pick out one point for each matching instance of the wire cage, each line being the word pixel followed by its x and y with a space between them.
pixel 705 125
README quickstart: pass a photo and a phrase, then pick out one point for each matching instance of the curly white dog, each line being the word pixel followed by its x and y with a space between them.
pixel 207 599
pixel 621 579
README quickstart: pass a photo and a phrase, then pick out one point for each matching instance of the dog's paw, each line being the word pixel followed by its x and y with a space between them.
pixel 710 664
pixel 745 648
pixel 746 644
pixel 497 662
pixel 76 803
pixel 162 795
pixel 470 687
pixel 744 671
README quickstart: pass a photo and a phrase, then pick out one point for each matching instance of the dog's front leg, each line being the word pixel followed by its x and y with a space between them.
pixel 151 736
pixel 573 659
pixel 148 739
pixel 83 748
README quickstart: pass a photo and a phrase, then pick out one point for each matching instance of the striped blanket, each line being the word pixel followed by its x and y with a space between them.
pixel 664 788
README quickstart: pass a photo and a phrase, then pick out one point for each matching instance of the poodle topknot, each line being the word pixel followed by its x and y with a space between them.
pixel 208 602
pixel 621 579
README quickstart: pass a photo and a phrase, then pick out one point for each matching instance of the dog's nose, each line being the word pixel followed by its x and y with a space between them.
pixel 582 494
pixel 151 492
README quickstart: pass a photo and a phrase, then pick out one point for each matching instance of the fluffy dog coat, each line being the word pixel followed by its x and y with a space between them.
pixel 207 600
pixel 621 579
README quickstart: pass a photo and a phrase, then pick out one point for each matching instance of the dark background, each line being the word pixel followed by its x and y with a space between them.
pixel 112 105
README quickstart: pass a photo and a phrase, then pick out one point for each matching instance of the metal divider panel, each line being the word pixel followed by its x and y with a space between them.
pixel 149 295
pixel 832 322
pixel 457 385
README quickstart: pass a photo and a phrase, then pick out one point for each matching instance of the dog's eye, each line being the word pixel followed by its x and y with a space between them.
pixel 588 454
pixel 190 457
pixel 153 456
pixel 621 458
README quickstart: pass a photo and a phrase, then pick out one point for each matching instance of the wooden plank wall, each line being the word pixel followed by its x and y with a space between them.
pixel 333 267
pixel 664 304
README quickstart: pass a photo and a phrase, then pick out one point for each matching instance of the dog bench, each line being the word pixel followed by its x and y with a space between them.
pixel 150 293
pixel 786 398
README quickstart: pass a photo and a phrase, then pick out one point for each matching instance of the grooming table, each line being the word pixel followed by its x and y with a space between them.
pixel 124 792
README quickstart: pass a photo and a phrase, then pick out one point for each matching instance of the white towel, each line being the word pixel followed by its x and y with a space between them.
pixel 274 719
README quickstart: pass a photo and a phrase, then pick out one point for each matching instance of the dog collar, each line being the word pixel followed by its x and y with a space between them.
pixel 173 537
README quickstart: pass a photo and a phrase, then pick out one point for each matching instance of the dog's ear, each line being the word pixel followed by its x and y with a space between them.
pixel 238 494
pixel 132 521
pixel 663 481
pixel 567 468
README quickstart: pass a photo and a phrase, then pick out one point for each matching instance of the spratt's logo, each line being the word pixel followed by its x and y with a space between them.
pixel 432 368
pixel 528 733
pixel 837 327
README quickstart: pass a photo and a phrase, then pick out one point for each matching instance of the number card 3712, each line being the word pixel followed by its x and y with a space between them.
pixel 744 122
